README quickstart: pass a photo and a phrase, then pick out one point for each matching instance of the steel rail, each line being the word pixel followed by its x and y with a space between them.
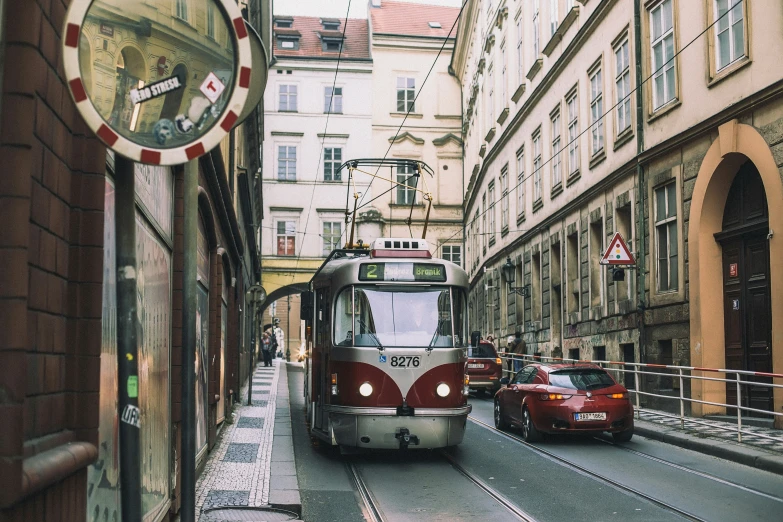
pixel 373 511
pixel 582 469
pixel 702 474
pixel 499 498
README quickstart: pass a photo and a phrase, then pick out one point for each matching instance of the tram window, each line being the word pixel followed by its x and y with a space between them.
pixel 460 316
pixel 343 318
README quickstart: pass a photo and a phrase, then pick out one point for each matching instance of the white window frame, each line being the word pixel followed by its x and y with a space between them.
pixel 286 233
pixel 409 94
pixel 596 111
pixel 210 20
pixel 504 198
pixel 333 103
pixel 520 182
pixel 484 229
pixel 557 161
pixel 622 82
pixel 452 252
pixel 331 241
pixel 182 9
pixel 536 29
pixel 492 212
pixel 503 78
pixel 668 73
pixel 537 188
pixel 572 110
pixel 554 14
pixel 491 95
pixel 727 25
pixel 406 191
pixel 332 164
pixel 291 93
pixel 666 224
pixel 520 53
pixel 290 163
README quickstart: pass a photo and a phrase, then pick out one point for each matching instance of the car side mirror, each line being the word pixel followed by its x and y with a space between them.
pixel 504 381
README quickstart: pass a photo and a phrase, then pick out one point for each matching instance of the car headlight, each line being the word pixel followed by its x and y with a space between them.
pixel 443 389
pixel 365 389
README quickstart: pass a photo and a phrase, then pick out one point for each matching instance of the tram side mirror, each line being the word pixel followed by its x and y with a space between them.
pixel 306 310
pixel 474 338
pixel 504 381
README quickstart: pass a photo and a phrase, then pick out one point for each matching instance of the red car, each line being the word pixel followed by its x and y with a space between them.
pixel 564 398
pixel 485 368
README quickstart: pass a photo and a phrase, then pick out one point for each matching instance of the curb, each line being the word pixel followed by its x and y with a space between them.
pixel 752 457
pixel 284 484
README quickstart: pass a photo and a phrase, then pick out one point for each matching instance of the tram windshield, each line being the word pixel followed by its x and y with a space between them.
pixel 400 317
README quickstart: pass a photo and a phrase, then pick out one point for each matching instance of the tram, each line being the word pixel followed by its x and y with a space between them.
pixel 387 348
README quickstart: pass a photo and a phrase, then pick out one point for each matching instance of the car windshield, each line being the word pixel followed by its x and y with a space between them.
pixel 483 350
pixel 581 379
pixel 399 316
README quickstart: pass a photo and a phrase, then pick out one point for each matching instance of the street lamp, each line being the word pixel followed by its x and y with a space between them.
pixel 509 273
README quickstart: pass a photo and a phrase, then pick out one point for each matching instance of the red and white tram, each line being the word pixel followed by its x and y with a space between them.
pixel 387 348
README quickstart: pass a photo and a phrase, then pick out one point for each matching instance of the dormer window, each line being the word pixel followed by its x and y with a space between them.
pixel 435 25
pixel 331 44
pixel 287 43
pixel 330 24
pixel 284 23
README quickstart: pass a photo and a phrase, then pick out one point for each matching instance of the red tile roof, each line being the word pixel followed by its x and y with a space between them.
pixel 356 43
pixel 406 18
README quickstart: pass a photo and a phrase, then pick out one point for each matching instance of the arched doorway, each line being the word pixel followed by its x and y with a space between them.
pixel 131 73
pixel 746 285
pixel 173 99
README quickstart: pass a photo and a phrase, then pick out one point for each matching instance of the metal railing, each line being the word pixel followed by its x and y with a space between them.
pixel 682 374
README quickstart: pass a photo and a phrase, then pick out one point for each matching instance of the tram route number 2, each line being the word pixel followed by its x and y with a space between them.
pixel 405 361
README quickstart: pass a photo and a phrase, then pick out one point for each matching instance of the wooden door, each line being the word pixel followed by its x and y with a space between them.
pixel 746 288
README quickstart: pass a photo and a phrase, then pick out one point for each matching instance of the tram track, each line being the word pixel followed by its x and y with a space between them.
pixel 581 469
pixel 372 509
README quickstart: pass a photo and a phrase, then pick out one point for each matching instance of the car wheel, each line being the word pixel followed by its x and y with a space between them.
pixel 500 421
pixel 623 436
pixel 529 431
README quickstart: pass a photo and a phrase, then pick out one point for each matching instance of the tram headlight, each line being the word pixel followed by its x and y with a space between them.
pixel 365 389
pixel 443 389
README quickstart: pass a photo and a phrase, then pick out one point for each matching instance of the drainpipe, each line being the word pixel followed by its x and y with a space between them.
pixel 642 184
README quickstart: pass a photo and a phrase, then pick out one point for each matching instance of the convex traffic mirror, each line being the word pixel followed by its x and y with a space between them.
pixel 159 81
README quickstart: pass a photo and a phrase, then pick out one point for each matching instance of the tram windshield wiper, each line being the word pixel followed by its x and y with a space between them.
pixel 372 335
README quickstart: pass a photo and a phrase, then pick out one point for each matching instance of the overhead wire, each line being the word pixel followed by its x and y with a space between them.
pixel 589 127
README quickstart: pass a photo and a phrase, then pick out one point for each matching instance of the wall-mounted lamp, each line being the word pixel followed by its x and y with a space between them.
pixel 509 273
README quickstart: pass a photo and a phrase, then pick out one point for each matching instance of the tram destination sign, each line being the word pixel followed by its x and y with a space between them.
pixel 420 272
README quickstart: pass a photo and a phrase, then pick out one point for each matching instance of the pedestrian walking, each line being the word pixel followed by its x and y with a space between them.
pixel 266 349
pixel 520 348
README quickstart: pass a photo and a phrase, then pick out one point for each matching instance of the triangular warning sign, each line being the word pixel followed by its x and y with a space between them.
pixel 618 253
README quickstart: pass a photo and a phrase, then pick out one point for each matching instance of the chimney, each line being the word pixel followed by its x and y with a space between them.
pixel 375 3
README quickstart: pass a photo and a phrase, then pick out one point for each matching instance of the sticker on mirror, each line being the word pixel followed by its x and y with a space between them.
pixel 153 90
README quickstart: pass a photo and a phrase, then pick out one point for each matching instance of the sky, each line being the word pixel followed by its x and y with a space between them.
pixel 337 8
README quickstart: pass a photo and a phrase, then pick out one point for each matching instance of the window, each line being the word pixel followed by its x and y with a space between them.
pixel 537 167
pixel 622 82
pixel 596 252
pixel 476 233
pixel 286 163
pixel 484 229
pixel 333 100
pixel 406 190
pixel 333 157
pixel 557 167
pixel 492 213
pixel 181 7
pixel 729 32
pixel 503 81
pixel 284 22
pixel 536 35
pixel 331 44
pixel 211 21
pixel 520 61
pixel 287 43
pixel 490 96
pixel 573 134
pixel 504 197
pixel 331 25
pixel 535 287
pixel 452 253
pixel 572 273
pixel 286 238
pixel 287 98
pixel 666 236
pixel 596 113
pixel 553 16
pixel 521 182
pixel 662 44
pixel 331 236
pixel 406 93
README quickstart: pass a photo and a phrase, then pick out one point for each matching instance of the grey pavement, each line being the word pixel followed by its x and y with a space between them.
pixel 252 465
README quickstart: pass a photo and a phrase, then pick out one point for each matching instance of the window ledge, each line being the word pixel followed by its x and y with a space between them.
pixel 402 115
pixel 504 231
pixel 503 116
pixel 534 69
pixel 573 178
pixel 491 242
pixel 729 70
pixel 567 22
pixel 538 205
pixel 482 150
pixel 286 180
pixel 333 181
pixel 556 190
pixel 280 110
pixel 661 111
pixel 407 205
pixel 518 93
pixel 552 43
pixel 623 138
pixel 521 218
pixel 448 117
pixel 597 158
pixel 334 112
pixel 490 135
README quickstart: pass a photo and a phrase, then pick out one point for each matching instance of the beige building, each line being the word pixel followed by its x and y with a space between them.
pixel 685 168
pixel 405 41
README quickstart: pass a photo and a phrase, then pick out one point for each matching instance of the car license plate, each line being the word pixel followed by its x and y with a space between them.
pixel 589 417
pixel 475 365
pixel 405 361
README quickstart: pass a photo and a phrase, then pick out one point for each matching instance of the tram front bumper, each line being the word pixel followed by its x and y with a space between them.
pixel 382 428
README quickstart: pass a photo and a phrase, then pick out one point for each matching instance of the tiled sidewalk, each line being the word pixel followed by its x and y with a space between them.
pixel 238 470
pixel 723 431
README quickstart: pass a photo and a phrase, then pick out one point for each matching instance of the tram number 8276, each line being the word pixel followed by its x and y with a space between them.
pixel 405 361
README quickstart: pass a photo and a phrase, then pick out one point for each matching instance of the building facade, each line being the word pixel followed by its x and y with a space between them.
pixel 315 121
pixel 59 453
pixel 412 119
pixel 582 120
